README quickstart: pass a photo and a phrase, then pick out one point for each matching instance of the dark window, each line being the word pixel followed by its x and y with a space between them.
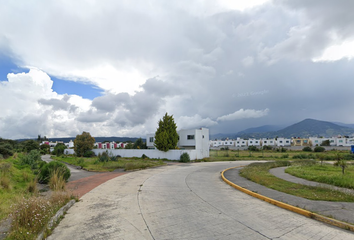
pixel 190 137
pixel 151 139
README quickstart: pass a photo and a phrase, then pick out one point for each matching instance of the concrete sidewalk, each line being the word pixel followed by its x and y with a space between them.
pixel 342 211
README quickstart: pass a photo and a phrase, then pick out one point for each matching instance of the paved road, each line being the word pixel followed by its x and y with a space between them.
pixel 188 201
pixel 75 173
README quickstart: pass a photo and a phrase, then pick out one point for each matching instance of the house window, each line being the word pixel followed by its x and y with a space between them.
pixel 190 137
pixel 280 141
pixel 287 141
pixel 151 139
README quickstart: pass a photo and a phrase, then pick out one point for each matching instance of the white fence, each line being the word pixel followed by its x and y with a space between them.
pixel 151 153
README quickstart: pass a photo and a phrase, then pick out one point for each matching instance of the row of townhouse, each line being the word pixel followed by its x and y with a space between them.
pixel 109 145
pixel 284 142
pixel 239 142
pixel 70 144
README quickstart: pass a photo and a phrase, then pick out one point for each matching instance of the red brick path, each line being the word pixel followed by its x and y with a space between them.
pixel 84 185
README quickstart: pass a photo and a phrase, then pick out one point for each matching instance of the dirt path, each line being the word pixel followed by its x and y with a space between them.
pixel 84 185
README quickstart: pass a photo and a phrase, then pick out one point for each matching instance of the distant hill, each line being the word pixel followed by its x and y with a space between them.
pixel 344 124
pixel 261 129
pixel 98 139
pixel 311 127
pixel 306 128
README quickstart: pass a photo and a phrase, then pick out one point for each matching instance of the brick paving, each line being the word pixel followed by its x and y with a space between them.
pixel 84 185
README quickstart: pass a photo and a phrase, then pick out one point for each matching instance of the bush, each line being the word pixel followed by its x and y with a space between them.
pixel 267 147
pixel 48 169
pixel 59 149
pixel 319 149
pixel 285 156
pixel 253 149
pixel 184 158
pixel 103 157
pixel 307 149
pixel 32 159
pixel 144 156
pixel 89 153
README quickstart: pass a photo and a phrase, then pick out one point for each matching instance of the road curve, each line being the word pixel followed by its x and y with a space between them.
pixel 187 201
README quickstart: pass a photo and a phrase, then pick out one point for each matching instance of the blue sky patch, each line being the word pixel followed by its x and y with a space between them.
pixel 7 66
pixel 88 91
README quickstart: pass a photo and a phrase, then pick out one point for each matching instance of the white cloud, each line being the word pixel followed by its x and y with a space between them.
pixel 337 52
pixel 244 114
pixel 196 121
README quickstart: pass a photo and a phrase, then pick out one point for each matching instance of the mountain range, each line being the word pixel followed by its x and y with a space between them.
pixel 305 128
pixel 98 139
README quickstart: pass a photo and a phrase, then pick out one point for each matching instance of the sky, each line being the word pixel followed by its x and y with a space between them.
pixel 114 68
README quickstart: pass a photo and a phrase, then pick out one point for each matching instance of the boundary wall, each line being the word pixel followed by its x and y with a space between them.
pixel 151 153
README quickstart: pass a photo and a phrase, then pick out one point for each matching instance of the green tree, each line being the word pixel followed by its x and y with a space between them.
pixel 83 143
pixel 45 148
pixel 59 149
pixel 166 136
pixel 31 145
pixel 139 144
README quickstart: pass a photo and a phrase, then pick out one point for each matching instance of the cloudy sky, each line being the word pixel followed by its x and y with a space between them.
pixel 114 68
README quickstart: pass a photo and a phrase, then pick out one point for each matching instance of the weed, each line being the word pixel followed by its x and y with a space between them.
pixel 57 181
pixel 5 182
pixel 32 186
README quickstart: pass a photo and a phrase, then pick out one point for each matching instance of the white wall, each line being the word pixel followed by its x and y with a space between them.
pixel 151 153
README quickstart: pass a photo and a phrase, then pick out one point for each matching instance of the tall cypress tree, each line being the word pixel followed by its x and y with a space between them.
pixel 166 136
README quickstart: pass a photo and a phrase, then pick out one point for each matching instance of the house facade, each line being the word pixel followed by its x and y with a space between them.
pixel 192 139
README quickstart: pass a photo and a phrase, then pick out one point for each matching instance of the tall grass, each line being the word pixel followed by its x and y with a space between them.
pixel 32 214
pixel 259 173
pixel 325 173
pixel 57 181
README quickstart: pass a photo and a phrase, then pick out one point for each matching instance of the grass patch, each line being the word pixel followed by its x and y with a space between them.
pixel 259 173
pixel 93 164
pixel 31 215
pixel 325 173
pixel 235 155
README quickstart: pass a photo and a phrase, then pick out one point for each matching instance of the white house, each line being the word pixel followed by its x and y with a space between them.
pixel 268 142
pixel 254 142
pixel 316 141
pixel 283 142
pixel 229 143
pixel 193 139
pixel 241 142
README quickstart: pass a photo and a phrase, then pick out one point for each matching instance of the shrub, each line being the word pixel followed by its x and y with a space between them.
pixel 307 149
pixel 57 181
pixel 319 149
pixel 47 170
pixel 5 182
pixel 348 156
pixel 59 149
pixel 285 156
pixel 89 153
pixel 184 158
pixel 103 157
pixel 32 159
pixel 144 156
pixel 253 149
pixel 267 147
pixel 32 186
pixel 283 149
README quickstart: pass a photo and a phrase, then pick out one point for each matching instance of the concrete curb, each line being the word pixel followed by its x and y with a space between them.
pixel 60 213
pixel 297 210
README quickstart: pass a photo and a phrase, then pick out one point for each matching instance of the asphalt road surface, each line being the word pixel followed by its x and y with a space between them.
pixel 187 201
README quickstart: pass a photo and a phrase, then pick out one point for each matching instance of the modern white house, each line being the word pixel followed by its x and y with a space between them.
pixel 254 142
pixel 229 143
pixel 283 142
pixel 268 142
pixel 195 140
pixel 241 142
